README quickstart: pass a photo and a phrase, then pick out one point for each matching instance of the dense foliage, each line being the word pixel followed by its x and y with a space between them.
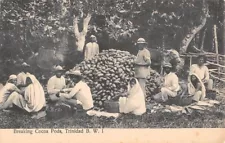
pixel 28 25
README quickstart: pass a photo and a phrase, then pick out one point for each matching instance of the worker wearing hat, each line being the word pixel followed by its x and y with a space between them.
pixel 142 63
pixel 7 90
pixel 170 86
pixel 80 94
pixel 202 71
pixel 91 48
pixel 56 83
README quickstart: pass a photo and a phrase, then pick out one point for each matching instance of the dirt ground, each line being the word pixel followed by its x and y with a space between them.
pixel 214 118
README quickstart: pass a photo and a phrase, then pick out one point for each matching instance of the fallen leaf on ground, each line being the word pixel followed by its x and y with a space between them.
pixel 202 103
pixel 197 107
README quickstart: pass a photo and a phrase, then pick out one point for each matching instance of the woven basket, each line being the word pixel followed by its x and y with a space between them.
pixel 111 106
pixel 58 112
pixel 211 94
pixel 186 100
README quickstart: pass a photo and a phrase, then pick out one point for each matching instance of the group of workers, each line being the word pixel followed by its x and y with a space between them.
pixel 25 91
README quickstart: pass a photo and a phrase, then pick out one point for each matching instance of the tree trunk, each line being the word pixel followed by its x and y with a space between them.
pixel 187 40
pixel 62 48
pixel 203 40
pixel 80 36
pixel 223 44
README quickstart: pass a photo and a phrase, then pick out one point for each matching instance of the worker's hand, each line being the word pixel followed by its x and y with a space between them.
pixel 62 91
pixel 57 95
pixel 20 92
pixel 204 80
pixel 125 94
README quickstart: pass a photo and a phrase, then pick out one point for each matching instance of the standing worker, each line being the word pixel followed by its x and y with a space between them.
pixel 142 63
pixel 91 48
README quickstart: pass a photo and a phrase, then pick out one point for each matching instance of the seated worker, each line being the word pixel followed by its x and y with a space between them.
pixel 79 94
pixel 32 100
pixel 56 83
pixel 202 72
pixel 170 87
pixel 21 77
pixel 8 89
pixel 196 88
pixel 135 101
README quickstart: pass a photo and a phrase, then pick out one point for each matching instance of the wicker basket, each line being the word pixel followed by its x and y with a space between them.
pixel 211 94
pixel 186 100
pixel 111 106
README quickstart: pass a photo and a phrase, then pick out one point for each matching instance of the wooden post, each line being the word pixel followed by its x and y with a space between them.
pixel 203 40
pixel 216 47
pixel 190 61
pixel 223 13
pixel 163 47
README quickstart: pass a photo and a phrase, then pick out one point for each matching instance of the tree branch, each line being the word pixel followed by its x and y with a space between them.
pixel 187 40
pixel 85 23
pixel 76 29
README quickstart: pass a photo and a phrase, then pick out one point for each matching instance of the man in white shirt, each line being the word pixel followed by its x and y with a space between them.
pixel 91 48
pixel 202 71
pixel 170 86
pixel 7 90
pixel 79 94
pixel 142 63
pixel 56 84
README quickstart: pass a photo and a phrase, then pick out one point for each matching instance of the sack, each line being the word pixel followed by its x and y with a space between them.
pixel 58 112
pixel 111 106
pixel 180 101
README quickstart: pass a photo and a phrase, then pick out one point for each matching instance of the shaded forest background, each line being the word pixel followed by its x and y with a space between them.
pixel 37 31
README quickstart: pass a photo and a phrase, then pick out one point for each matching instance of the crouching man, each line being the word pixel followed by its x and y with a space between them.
pixel 56 83
pixel 170 86
pixel 32 100
pixel 80 94
pixel 8 90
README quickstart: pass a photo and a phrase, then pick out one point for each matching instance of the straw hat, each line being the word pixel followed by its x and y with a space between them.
pixel 167 65
pixel 75 73
pixel 93 36
pixel 24 64
pixel 141 40
pixel 12 77
pixel 58 68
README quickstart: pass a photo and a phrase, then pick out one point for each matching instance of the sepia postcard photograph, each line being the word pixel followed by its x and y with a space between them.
pixel 84 66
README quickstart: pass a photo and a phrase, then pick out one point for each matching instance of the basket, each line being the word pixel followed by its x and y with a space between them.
pixel 111 106
pixel 211 94
pixel 186 100
pixel 58 112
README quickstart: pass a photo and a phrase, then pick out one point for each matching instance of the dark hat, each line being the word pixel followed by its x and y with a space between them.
pixel 202 55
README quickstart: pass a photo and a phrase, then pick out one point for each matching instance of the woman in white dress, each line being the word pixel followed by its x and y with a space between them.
pixel 135 101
